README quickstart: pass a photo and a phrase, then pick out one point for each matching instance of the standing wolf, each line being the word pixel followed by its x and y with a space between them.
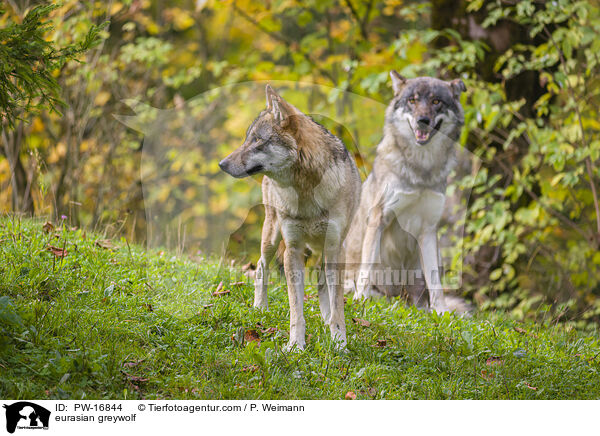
pixel 311 190
pixel 392 244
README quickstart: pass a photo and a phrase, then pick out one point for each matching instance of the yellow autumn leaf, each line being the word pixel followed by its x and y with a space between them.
pixel 115 8
pixel 101 98
pixel 557 178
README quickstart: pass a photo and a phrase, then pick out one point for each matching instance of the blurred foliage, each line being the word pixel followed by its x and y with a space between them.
pixel 172 73
pixel 536 199
pixel 28 62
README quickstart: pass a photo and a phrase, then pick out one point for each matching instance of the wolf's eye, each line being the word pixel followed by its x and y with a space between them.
pixel 412 100
pixel 435 101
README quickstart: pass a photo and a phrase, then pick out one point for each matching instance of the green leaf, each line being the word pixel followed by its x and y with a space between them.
pixel 8 313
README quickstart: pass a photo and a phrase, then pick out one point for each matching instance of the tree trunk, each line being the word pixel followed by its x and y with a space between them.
pixel 12 142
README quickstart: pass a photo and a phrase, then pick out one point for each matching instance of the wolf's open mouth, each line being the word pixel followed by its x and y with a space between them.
pixel 423 135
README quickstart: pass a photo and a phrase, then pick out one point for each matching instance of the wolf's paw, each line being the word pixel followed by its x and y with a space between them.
pixel 440 309
pixel 340 346
pixel 295 347
pixel 360 296
pixel 261 305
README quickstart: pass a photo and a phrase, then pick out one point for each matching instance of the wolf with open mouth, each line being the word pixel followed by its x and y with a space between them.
pixel 395 226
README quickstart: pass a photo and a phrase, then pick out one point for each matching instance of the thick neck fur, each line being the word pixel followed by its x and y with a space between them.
pixel 417 166
pixel 312 155
pixel 310 186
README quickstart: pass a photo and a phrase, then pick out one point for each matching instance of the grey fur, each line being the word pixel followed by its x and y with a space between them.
pixel 403 197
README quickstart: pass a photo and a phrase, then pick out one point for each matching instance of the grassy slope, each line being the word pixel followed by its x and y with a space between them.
pixel 121 322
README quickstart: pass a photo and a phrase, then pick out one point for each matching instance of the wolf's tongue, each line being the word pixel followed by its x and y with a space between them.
pixel 421 135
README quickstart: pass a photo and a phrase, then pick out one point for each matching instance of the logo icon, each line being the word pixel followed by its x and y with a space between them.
pixel 26 415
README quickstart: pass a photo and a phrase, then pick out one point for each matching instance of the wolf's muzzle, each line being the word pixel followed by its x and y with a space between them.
pixel 224 165
pixel 236 171
pixel 424 131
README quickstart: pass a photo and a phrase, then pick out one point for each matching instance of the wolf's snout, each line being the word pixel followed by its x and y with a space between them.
pixel 424 121
pixel 224 165
pixel 423 130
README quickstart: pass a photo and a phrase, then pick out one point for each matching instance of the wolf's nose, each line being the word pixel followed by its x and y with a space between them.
pixel 223 164
pixel 423 120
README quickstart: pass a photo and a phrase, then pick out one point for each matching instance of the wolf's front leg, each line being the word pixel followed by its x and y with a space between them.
pixel 337 321
pixel 294 274
pixel 371 253
pixel 429 260
pixel 271 236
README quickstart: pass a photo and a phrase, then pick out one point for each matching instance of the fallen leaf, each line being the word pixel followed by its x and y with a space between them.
pixel 494 360
pixel 350 395
pixel 533 388
pixel 106 244
pixel 372 392
pixel 251 368
pixel 249 267
pixel 520 330
pixel 187 390
pixel 361 322
pixel 149 307
pixel 487 375
pixel 251 335
pixel 57 251
pixel 48 227
pixel 269 330
pixel 381 342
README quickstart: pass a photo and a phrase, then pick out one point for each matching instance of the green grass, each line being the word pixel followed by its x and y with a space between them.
pixel 116 321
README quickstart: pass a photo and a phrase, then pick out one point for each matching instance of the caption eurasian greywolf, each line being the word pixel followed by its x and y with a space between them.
pixel 311 189
pixel 395 227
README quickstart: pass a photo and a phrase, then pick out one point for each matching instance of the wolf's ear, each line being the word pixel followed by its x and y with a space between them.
pixel 398 81
pixel 457 87
pixel 270 93
pixel 280 108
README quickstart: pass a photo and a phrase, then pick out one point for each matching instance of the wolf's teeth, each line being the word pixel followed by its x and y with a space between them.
pixel 421 135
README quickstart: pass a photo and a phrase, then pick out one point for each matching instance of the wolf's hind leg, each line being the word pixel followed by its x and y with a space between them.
pixel 335 290
pixel 271 236
pixel 323 294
